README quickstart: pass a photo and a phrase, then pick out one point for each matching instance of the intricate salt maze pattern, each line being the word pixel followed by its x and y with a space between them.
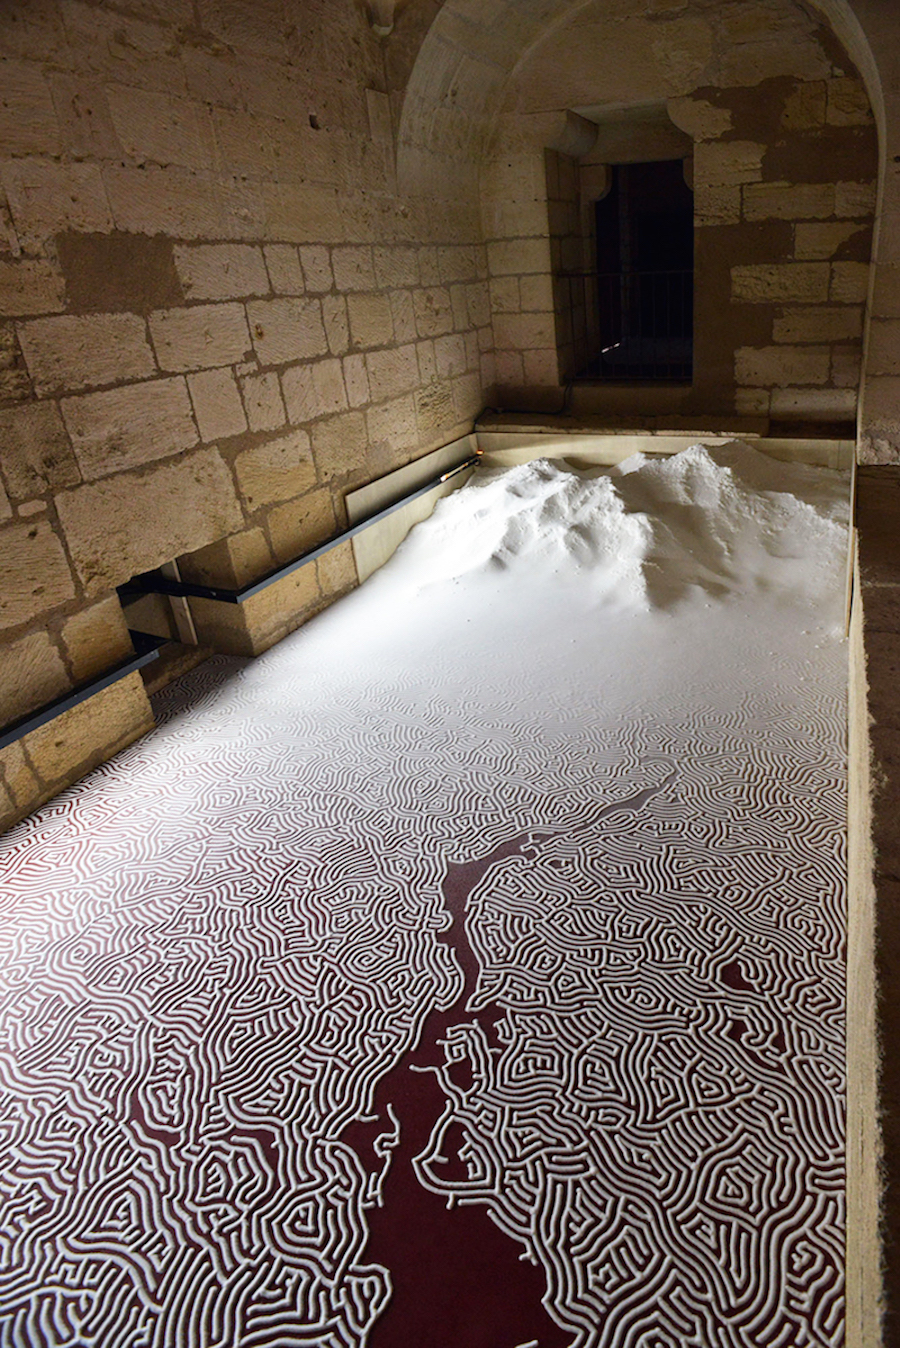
pixel 222 946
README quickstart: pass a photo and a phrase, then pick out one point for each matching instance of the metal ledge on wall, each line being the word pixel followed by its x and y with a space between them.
pixel 153 583
pixel 147 649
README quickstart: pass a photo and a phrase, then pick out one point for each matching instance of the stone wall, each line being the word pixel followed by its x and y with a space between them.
pixel 217 315
pixel 785 162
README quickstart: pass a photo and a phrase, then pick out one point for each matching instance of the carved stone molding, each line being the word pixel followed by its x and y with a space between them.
pixel 381 16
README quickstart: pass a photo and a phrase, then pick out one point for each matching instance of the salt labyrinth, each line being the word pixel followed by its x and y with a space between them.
pixel 468 970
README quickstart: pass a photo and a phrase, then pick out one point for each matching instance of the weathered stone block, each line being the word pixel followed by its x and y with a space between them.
pixel 340 445
pixel 356 381
pixel 66 353
pixel 328 381
pixel 46 198
pixel 434 408
pixel 458 263
pixel 263 402
pixel 815 242
pixel 509 368
pixel 716 205
pixel 353 269
pixel 31 674
pixel 394 423
pixel 780 366
pixel 813 404
pixel 300 213
pixel 883 355
pixel 217 404
pixel 427 365
pixel 517 257
pixel 748 62
pixel 35 454
pixel 752 402
pixel 521 332
pixel 21 783
pixel 126 427
pixel 299 525
pixel 34 573
pixel 283 262
pixel 505 295
pixel 286 330
pixel 66 748
pixel 459 306
pixel 881 420
pixel 28 123
pixel 855 201
pixel 728 163
pixel 846 362
pixel 541 368
pixel 191 503
pixel 172 201
pixel 450 355
pixel 849 282
pixel 788 201
pixel 396 267
pixel 231 562
pixel 434 311
pixel 96 639
pixel 848 103
pixel 804 107
pixel 201 337
pixel 781 282
pixel 314 390
pixel 255 625
pixel 30 286
pixel 221 271
pixel 275 471
pixel 886 298
pixel 505 219
pixel 337 572
pixel 819 324
pixel 316 263
pixel 282 608
pixel 392 372
pixel 468 396
pixel 404 315
pixel 86 126
pixel 337 325
pixel 371 320
pixel 157 128
pixel 478 298
pixel 700 119
pixel 536 294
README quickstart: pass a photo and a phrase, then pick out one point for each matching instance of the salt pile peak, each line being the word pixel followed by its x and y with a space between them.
pixel 724 521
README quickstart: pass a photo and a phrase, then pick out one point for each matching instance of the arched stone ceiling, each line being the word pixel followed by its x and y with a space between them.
pixel 473 47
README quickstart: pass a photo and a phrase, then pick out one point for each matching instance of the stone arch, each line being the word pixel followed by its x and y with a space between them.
pixel 493 90
pixel 473 47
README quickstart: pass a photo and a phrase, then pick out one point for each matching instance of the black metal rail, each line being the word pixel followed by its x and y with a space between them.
pixel 152 583
pixel 26 724
pixel 629 325
pixel 147 647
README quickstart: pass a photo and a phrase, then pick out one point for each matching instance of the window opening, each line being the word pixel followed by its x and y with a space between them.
pixel 641 291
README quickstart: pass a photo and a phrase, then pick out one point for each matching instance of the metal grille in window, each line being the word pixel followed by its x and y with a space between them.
pixel 631 324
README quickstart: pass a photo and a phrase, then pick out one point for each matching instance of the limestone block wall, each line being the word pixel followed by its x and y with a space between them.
pixel 217 315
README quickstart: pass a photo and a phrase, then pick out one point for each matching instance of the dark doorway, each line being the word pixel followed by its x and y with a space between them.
pixel 643 285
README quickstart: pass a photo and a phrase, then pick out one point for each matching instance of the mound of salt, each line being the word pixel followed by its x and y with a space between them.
pixel 724 521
